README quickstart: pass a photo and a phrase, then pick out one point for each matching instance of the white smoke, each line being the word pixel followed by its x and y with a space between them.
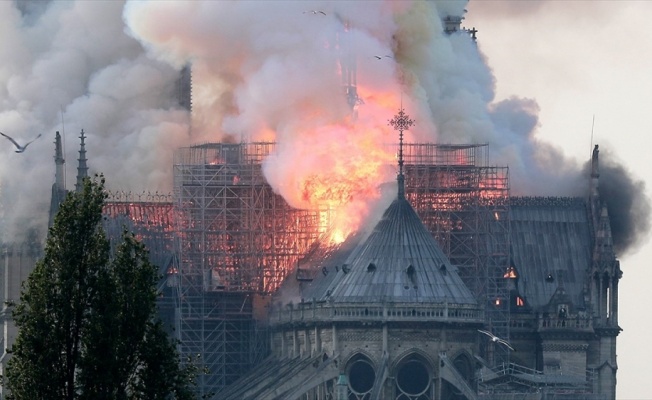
pixel 262 70
pixel 69 66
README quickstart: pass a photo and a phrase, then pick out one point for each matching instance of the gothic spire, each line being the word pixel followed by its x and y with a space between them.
pixel 595 172
pixel 82 168
pixel 401 122
pixel 58 161
pixel 59 185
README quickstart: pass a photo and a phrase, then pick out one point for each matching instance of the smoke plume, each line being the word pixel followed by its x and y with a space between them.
pixel 627 205
pixel 262 71
pixel 69 66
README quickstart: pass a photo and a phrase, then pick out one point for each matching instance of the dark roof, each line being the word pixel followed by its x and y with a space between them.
pixel 551 245
pixel 398 262
pixel 280 379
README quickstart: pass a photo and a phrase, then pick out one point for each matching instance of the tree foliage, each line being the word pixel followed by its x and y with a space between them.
pixel 87 318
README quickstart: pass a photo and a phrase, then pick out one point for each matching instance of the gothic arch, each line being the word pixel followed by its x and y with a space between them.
pixel 464 364
pixel 413 352
pixel 361 373
pixel 359 353
pixel 414 374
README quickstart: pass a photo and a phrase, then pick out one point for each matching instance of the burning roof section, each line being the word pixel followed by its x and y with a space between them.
pixel 399 262
pixel 551 247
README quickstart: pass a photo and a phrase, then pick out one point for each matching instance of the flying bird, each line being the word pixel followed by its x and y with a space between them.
pixel 20 148
pixel 315 12
pixel 496 339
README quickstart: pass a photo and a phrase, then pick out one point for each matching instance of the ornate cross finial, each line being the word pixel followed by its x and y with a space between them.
pixel 401 122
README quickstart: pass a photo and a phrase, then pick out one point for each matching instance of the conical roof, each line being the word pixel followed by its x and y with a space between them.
pixel 399 262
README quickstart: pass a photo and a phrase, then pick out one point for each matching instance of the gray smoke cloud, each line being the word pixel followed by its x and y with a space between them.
pixel 628 206
pixel 262 71
pixel 68 66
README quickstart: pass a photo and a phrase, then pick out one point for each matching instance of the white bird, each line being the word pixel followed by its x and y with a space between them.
pixel 315 12
pixel 496 339
pixel 20 148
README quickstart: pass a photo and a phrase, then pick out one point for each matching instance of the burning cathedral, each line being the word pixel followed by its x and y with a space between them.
pixel 453 289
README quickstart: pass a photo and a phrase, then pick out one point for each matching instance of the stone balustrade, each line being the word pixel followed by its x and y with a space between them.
pixel 311 312
pixel 546 323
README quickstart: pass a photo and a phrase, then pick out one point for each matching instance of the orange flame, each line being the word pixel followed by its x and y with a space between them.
pixel 343 175
pixel 338 162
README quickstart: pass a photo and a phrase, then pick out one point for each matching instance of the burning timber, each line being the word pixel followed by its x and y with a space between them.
pixel 238 240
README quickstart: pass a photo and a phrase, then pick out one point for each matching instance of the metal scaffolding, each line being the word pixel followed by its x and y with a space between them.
pixel 237 239
pixel 465 205
pixel 150 217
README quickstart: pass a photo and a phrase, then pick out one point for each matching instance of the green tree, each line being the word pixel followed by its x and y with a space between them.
pixel 87 318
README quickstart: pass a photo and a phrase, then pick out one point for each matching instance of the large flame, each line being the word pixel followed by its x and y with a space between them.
pixel 338 168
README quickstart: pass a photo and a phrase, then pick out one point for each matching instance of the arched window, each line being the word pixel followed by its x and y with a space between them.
pixel 361 376
pixel 414 379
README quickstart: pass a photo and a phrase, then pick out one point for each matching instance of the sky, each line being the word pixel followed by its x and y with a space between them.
pixel 587 65
pixel 551 79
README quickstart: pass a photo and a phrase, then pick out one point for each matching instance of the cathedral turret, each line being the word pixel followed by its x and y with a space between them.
pixel 605 271
pixel 603 278
pixel 82 168
pixel 59 185
pixel 595 173
pixel 606 274
pixel 59 161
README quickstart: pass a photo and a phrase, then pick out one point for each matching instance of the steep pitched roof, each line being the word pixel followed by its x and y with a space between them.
pixel 551 245
pixel 398 262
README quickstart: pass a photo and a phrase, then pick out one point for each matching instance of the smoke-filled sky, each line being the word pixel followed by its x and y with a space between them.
pixel 68 66
pixel 268 70
pixel 261 71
